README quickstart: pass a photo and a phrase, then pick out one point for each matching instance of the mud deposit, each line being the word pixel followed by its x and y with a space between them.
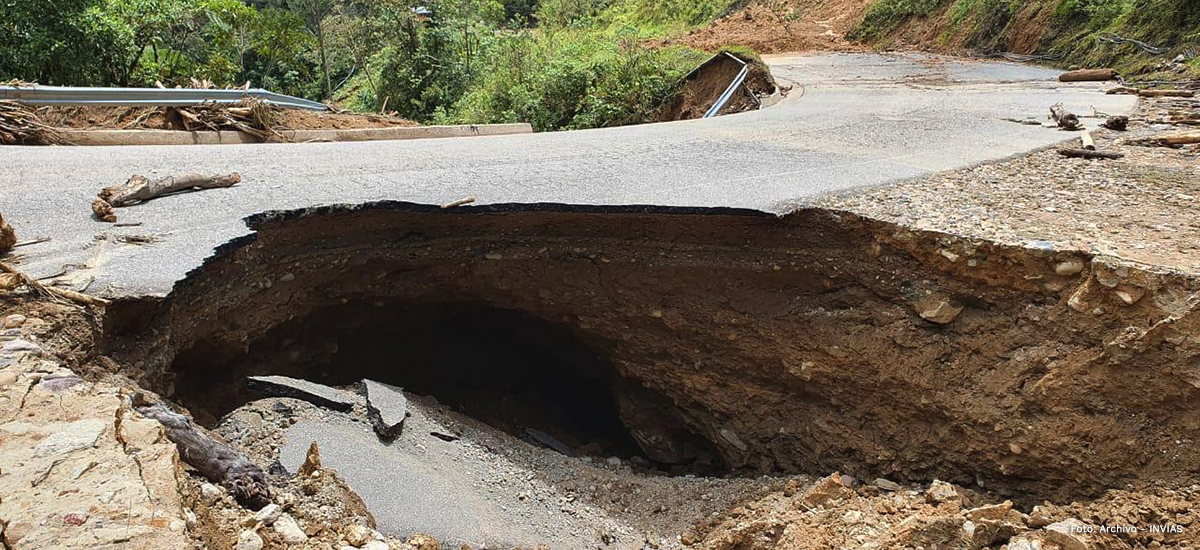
pixel 730 340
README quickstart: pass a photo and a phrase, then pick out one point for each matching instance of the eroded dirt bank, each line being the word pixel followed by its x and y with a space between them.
pixel 806 344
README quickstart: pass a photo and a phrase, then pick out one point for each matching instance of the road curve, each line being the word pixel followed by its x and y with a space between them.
pixel 855 120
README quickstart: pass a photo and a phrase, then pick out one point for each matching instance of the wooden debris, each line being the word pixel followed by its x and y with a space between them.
pixel 1118 123
pixel 12 275
pixel 1174 140
pixel 252 116
pixel 21 125
pixel 1065 120
pixel 1086 154
pixel 1167 93
pixel 459 202
pixel 138 189
pixel 1123 90
pixel 8 237
pixel 1088 142
pixel 1088 75
pixel 214 460
pixel 33 242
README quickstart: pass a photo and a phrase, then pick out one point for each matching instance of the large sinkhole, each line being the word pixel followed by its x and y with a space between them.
pixel 735 341
pixel 536 380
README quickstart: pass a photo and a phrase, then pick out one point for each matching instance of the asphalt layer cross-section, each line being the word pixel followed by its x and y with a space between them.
pixel 853 121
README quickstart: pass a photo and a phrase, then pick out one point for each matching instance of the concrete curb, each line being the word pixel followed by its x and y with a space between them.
pixel 179 137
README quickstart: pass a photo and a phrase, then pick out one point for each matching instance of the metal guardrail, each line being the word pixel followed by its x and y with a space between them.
pixel 155 97
pixel 733 86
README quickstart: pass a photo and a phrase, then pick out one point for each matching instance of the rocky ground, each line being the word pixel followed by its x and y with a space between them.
pixel 1141 207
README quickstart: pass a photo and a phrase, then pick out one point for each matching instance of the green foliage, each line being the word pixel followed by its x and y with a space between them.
pixel 885 15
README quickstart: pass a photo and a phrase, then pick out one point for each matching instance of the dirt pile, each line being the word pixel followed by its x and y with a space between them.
pixel 704 86
pixel 775 26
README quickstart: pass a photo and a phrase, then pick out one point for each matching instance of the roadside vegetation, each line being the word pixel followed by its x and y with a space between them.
pixel 554 63
pixel 1071 32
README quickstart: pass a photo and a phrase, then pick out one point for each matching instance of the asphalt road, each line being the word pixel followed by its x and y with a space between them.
pixel 855 120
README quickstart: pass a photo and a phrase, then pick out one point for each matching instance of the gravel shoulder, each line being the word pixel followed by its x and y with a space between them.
pixel 1142 207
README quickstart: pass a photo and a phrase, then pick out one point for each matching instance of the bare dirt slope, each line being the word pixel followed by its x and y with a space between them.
pixel 131 118
pixel 775 26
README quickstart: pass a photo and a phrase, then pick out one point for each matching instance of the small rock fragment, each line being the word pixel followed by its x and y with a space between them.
pixel 312 461
pixel 13 321
pixel 210 493
pixel 1069 267
pixel 940 491
pixel 993 512
pixel 827 488
pixel 248 540
pixel 268 514
pixel 1068 534
pixel 376 545
pixel 357 535
pixel 938 309
pixel 886 485
pixel 74 436
pixel 289 530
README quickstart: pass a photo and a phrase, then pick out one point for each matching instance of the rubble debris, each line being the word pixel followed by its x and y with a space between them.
pixel 214 460
pixel 386 407
pixel 8 237
pixel 449 438
pixel 937 308
pixel 317 394
pixel 139 189
pixel 1086 154
pixel 886 484
pixel 1088 75
pixel 1117 123
pixel 1065 120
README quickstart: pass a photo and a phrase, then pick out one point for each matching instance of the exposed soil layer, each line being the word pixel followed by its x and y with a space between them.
pixel 704 86
pixel 156 118
pixel 774 26
pixel 809 343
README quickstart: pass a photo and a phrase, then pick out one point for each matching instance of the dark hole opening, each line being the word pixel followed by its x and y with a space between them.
pixel 520 374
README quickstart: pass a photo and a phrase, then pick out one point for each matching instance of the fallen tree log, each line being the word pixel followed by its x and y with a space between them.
pixel 1065 120
pixel 139 189
pixel 1166 93
pixel 214 460
pixel 1088 75
pixel 1088 142
pixel 8 236
pixel 1174 140
pixel 1086 154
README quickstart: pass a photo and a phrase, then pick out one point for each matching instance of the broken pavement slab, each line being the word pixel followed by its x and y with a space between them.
pixel 317 394
pixel 387 408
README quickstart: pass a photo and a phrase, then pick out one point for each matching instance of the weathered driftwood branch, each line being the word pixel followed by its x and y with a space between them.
pixel 1065 120
pixel 139 189
pixel 10 279
pixel 214 460
pixel 1167 93
pixel 1086 154
pixel 1087 75
pixel 1167 141
pixel 8 237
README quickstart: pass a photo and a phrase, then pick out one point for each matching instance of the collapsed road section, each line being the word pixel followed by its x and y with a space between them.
pixel 689 342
